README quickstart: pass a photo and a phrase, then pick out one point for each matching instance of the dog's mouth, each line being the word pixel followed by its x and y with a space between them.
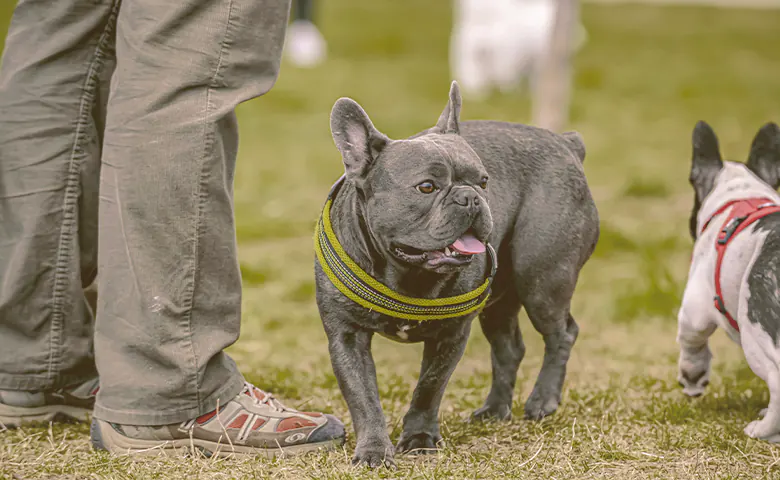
pixel 460 252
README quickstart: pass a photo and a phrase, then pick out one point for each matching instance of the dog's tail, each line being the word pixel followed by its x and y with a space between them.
pixel 576 144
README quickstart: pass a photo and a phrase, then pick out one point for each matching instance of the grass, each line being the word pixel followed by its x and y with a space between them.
pixel 646 75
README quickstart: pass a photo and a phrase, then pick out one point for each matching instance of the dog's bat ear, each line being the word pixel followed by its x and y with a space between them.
pixel 575 143
pixel 707 161
pixel 356 137
pixel 764 158
pixel 449 121
pixel 705 145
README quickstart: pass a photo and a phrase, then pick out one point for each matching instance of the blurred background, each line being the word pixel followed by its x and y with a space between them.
pixel 642 75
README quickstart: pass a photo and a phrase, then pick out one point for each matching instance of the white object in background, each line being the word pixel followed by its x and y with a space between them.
pixel 498 43
pixel 305 46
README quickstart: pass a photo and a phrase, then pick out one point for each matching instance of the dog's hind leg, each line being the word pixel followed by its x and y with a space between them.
pixel 765 366
pixel 500 326
pixel 759 316
pixel 547 302
pixel 759 321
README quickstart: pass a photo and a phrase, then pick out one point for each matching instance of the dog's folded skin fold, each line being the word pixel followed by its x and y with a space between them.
pixel 748 278
pixel 416 215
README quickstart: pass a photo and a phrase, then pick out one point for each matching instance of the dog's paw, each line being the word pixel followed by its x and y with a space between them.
pixel 693 372
pixel 374 457
pixel 419 443
pixel 693 392
pixel 693 389
pixel 541 404
pixel 760 430
pixel 500 412
pixel 753 428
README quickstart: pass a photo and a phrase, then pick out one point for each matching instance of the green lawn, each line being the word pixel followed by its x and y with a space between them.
pixel 643 79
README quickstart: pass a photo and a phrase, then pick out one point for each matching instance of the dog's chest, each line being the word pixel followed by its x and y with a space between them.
pixel 409 331
pixel 404 333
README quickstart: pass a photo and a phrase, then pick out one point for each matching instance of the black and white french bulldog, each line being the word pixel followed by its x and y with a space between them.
pixel 735 210
pixel 419 216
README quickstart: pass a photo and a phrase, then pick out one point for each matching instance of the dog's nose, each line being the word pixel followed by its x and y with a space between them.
pixel 466 197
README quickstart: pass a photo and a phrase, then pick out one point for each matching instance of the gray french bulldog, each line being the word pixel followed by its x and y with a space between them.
pixel 419 216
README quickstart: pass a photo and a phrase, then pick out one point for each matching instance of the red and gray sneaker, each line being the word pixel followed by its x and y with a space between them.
pixel 252 423
pixel 70 404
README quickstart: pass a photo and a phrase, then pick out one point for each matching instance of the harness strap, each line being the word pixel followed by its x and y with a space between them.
pixel 744 213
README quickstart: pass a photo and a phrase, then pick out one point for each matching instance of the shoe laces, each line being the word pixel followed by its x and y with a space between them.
pixel 268 399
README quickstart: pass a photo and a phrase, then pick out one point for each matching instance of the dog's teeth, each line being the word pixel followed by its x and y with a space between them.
pixel 447 251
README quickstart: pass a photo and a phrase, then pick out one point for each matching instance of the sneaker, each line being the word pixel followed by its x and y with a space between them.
pixel 71 404
pixel 253 423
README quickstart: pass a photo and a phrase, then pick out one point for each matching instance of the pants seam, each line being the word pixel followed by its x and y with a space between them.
pixel 202 196
pixel 70 207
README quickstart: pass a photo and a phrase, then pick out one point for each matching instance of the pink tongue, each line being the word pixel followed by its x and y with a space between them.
pixel 468 244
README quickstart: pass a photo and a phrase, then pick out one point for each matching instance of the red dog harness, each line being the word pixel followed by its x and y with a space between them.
pixel 744 213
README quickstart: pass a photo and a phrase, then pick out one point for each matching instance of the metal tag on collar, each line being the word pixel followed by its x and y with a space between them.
pixel 493 261
pixel 729 229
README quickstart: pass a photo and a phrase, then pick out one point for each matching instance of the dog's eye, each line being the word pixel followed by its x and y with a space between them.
pixel 483 185
pixel 426 187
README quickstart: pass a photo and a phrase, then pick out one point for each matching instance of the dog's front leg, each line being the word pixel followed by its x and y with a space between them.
pixel 694 328
pixel 353 364
pixel 440 357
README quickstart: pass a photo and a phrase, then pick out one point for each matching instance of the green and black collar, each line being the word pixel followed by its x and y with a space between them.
pixel 360 287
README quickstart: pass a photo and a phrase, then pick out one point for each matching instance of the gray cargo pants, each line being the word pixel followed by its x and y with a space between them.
pixel 118 144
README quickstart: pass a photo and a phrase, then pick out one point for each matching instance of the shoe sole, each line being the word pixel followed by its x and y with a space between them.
pixel 15 417
pixel 104 437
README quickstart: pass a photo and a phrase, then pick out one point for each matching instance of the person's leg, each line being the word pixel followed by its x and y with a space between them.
pixel 169 286
pixel 57 57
